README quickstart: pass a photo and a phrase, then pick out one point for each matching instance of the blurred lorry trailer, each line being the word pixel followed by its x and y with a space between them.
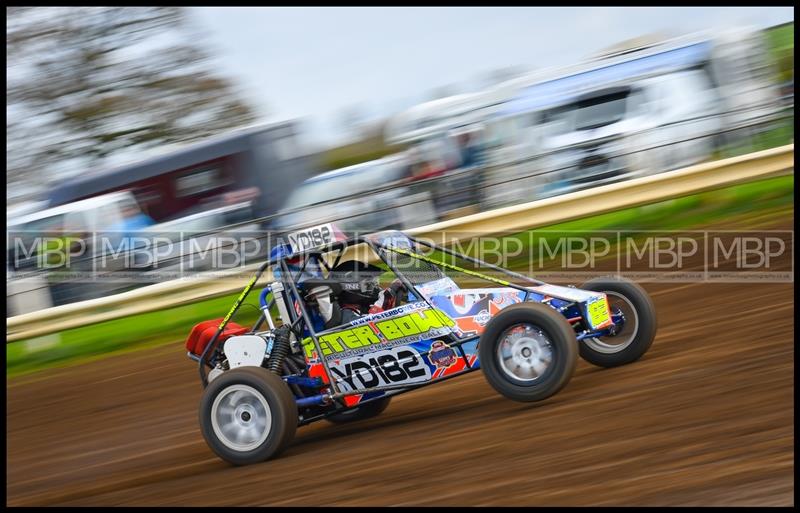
pixel 435 118
pixel 685 96
pixel 584 118
pixel 594 139
pixel 194 190
pixel 265 159
pixel 369 196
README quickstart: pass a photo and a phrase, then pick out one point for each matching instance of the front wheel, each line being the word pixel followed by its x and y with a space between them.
pixel 528 352
pixel 248 415
pixel 631 302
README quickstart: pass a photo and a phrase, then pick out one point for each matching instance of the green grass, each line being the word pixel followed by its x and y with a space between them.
pixel 737 202
pixel 780 42
pixel 172 326
pixel 143 330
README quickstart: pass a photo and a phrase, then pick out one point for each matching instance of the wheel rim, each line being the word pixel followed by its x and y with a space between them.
pixel 613 344
pixel 525 353
pixel 241 418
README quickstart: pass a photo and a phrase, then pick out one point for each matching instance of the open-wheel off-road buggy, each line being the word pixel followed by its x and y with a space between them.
pixel 331 343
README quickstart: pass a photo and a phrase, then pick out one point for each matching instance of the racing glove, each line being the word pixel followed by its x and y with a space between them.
pixel 390 297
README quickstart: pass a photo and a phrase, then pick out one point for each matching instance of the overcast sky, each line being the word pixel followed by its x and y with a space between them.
pixel 313 62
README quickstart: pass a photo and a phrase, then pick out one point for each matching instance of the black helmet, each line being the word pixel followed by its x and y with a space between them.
pixel 359 282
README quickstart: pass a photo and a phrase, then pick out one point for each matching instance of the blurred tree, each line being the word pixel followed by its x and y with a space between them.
pixel 780 41
pixel 87 83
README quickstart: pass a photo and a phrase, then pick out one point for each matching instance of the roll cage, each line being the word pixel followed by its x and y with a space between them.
pixel 302 324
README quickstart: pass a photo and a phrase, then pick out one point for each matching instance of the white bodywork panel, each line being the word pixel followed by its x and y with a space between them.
pixel 245 350
pixel 567 293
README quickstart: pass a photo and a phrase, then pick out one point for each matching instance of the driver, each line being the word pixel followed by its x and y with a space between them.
pixel 350 291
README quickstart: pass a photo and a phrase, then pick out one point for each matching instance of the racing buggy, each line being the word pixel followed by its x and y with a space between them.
pixel 346 323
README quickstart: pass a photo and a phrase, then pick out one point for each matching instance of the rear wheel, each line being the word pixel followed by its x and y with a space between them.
pixel 248 415
pixel 628 299
pixel 528 352
pixel 365 411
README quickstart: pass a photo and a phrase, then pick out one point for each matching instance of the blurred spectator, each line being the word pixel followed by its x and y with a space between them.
pixel 472 157
pixel 133 221
pixel 431 160
pixel 425 166
pixel 469 151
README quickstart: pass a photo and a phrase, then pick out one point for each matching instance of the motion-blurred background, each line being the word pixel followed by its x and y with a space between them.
pixel 179 132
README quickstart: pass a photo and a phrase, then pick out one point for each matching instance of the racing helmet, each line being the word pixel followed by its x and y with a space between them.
pixel 359 283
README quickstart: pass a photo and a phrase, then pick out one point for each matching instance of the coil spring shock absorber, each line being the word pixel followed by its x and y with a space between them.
pixel 280 349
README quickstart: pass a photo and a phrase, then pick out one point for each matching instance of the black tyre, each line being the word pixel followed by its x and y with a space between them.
pixel 248 415
pixel 638 332
pixel 365 411
pixel 528 352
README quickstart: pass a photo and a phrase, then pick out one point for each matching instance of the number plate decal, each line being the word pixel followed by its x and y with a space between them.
pixel 311 237
pixel 599 315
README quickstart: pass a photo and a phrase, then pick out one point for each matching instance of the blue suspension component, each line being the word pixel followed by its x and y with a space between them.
pixel 262 299
pixel 303 382
pixel 314 399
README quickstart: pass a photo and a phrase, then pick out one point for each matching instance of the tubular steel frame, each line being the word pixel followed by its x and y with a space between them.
pixel 304 319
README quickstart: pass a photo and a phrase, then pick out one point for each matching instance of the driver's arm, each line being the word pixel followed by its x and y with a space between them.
pixel 390 297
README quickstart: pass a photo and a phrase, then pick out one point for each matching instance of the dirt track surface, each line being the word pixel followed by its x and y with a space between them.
pixel 705 418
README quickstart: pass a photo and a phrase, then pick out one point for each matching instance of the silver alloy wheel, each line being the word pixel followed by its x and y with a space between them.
pixel 620 341
pixel 241 418
pixel 524 352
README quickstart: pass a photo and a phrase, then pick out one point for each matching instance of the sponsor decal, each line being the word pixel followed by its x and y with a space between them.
pixel 482 317
pixel 394 366
pixel 472 309
pixel 474 324
pixel 507 299
pixel 410 307
pixel 437 287
pixel 389 332
pixel 462 303
pixel 238 302
pixel 441 354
